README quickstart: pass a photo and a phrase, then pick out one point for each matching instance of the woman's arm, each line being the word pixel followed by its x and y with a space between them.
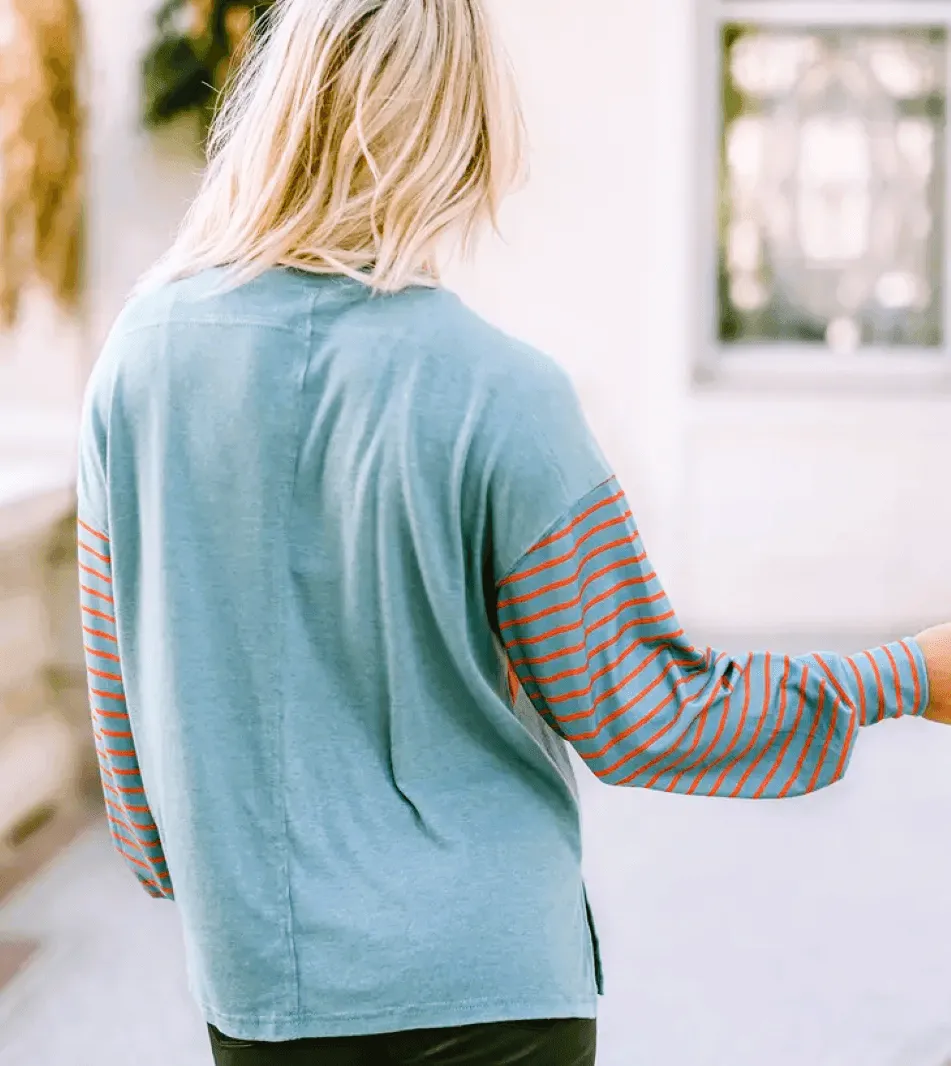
pixel 133 828
pixel 597 647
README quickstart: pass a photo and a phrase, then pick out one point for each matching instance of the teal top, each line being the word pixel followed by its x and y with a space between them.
pixel 355 575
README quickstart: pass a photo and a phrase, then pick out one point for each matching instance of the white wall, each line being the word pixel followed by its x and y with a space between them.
pixel 138 186
pixel 786 934
pixel 140 183
pixel 790 514
pixel 798 513
pixel 765 513
pixel 568 275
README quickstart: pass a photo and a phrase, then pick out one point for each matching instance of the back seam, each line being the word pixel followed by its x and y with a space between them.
pixel 286 520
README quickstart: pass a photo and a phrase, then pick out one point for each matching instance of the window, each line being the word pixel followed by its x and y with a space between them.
pixel 830 214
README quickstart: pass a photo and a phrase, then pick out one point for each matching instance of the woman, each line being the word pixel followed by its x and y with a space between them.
pixel 355 575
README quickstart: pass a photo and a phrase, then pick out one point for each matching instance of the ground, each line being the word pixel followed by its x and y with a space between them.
pixel 815 932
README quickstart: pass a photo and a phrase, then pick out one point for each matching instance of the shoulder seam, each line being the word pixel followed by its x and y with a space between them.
pixel 549 529
pixel 260 323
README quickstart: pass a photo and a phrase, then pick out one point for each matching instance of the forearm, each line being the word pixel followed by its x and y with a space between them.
pixel 134 832
pixel 886 682
pixel 776 730
pixel 598 648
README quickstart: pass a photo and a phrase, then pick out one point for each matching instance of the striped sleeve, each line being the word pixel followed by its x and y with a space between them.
pixel 133 828
pixel 594 642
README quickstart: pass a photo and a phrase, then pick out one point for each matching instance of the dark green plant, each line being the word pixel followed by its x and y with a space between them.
pixel 196 44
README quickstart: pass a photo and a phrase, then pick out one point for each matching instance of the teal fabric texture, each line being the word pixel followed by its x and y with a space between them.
pixel 355 578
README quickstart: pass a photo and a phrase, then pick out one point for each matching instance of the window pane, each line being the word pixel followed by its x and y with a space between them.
pixel 832 186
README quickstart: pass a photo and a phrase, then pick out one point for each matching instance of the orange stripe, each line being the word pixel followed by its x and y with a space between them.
pixel 118 753
pixel 111 714
pixel 793 733
pixel 701 722
pixel 808 743
pixel 95 573
pixel 847 746
pixel 724 718
pixel 126 856
pixel 113 733
pixel 817 773
pixel 700 761
pixel 536 659
pixel 105 762
pixel 99 633
pixel 606 721
pixel 584 514
pixel 99 614
pixel 840 691
pixel 539 638
pixel 116 826
pixel 101 654
pixel 623 683
pixel 102 673
pixel 763 718
pixel 638 601
pixel 140 862
pixel 914 675
pixel 897 678
pixel 603 646
pixel 94 592
pixel 108 695
pixel 718 785
pixel 127 792
pixel 569 555
pixel 595 677
pixel 647 744
pixel 513 683
pixel 621 711
pixel 878 685
pixel 150 827
pixel 571 579
pixel 641 579
pixel 863 711
pixel 543 638
pixel 572 525
pixel 93 552
pixel 699 764
pixel 105 771
pixel 95 532
pixel 143 847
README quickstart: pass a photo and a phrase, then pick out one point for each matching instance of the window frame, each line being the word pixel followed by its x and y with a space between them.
pixel 791 367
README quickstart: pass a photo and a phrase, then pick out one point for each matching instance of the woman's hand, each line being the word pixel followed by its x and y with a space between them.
pixel 936 645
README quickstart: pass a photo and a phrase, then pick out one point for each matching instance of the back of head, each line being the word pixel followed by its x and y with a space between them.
pixel 357 137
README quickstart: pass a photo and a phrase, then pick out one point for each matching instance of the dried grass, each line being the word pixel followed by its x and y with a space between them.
pixel 41 178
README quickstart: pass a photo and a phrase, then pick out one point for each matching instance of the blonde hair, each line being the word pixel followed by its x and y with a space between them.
pixel 356 137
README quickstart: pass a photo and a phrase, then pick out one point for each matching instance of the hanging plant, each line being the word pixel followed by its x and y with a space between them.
pixel 198 42
pixel 41 194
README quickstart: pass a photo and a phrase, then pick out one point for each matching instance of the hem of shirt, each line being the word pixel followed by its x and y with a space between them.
pixel 303 1025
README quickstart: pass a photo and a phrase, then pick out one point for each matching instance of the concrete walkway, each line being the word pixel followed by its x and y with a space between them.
pixel 811 933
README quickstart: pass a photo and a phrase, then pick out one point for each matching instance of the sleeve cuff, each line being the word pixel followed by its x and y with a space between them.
pixel 921 691
pixel 893 681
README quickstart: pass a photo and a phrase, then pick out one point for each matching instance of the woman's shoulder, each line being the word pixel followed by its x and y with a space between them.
pixel 450 330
